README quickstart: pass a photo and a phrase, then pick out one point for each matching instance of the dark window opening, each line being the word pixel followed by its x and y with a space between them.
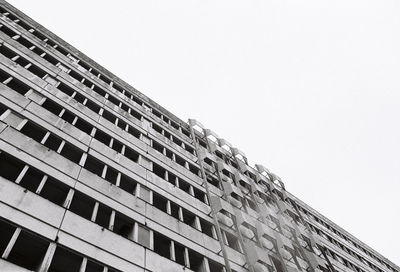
pixel 183 185
pixel 28 251
pixel 63 256
pixel 169 154
pixel 94 165
pixel 33 131
pixel 7 232
pixel 158 147
pixel 75 75
pixel 31 179
pixel 52 106
pixel 180 161
pixel 127 184
pixel 206 228
pixel 131 154
pixel 39 35
pixel 47 57
pixel 117 146
pixel 72 153
pixel 82 205
pixel 172 178
pixel 108 116
pixel 7 31
pixel 134 132
pixel 68 116
pixel 194 169
pixel 179 254
pixel 52 142
pixel 103 216
pixel 189 218
pixel 162 245
pixel 136 114
pixel 160 202
pixel 158 170
pixel 18 86
pixel 100 91
pixel 102 137
pixel 7 52
pixel 213 181
pixel 174 210
pixel 10 168
pixel 3 109
pixel 111 175
pixel 62 50
pixel 55 191
pixel 123 226
pixel 25 42
pixel 215 267
pixel 157 128
pixel 93 267
pixel 37 71
pixel 83 126
pixel 92 106
pixel 196 261
pixel 200 195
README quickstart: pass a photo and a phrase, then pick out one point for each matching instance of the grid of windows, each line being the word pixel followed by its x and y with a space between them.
pixel 171 187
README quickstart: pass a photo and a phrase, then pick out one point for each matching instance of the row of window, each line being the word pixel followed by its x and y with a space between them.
pixel 345 249
pixel 60 194
pixel 97 109
pixel 111 175
pixel 21 88
pixel 26 249
pixel 40 73
pixel 123 125
pixel 88 83
pixel 93 71
pixel 344 237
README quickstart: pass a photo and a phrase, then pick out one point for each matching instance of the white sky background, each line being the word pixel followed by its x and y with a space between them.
pixel 310 89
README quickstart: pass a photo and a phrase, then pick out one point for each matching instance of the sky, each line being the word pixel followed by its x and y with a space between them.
pixel 310 89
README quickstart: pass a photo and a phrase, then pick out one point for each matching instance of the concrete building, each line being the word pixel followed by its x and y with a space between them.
pixel 95 176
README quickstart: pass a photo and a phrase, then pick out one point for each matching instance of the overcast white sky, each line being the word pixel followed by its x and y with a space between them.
pixel 310 89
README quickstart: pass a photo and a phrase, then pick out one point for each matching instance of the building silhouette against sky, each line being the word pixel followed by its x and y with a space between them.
pixel 95 176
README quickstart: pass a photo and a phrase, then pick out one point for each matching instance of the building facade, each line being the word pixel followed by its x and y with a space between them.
pixel 95 176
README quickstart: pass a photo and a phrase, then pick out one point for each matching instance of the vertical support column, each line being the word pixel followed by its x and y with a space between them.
pixel 44 266
pixel 11 243
pixel 213 213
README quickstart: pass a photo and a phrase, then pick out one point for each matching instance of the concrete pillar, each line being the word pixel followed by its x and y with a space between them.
pixel 42 183
pixel 112 220
pixel 172 250
pixel 94 212
pixel 68 199
pixel 44 266
pixel 22 174
pixel 11 243
pixel 83 265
